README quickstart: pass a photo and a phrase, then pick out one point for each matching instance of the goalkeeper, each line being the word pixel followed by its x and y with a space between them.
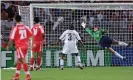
pixel 104 41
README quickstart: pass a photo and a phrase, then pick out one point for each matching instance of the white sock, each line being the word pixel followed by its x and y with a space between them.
pixel 118 55
pixel 61 62
pixel 27 72
pixel 122 43
pixel 17 71
pixel 78 58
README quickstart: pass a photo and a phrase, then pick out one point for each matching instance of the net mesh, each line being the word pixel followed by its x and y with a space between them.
pixel 117 18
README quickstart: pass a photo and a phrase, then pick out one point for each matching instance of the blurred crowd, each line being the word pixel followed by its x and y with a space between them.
pixel 120 20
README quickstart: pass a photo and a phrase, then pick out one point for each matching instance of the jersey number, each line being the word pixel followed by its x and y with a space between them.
pixel 70 37
pixel 35 31
pixel 22 34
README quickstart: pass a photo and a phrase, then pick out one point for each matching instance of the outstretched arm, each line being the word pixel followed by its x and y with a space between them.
pixel 9 43
pixel 83 24
pixel 103 31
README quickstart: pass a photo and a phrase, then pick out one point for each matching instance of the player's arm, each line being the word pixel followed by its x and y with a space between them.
pixel 32 37
pixel 103 31
pixel 11 37
pixel 9 43
pixel 58 42
pixel 79 40
pixel 83 24
pixel 81 43
pixel 61 38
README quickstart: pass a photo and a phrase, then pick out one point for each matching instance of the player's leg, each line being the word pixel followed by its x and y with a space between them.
pixel 23 53
pixel 115 53
pixel 25 67
pixel 62 56
pixel 106 42
pixel 120 43
pixel 39 58
pixel 79 60
pixel 18 66
pixel 32 60
pixel 62 61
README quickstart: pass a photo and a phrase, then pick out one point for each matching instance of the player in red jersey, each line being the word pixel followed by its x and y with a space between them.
pixel 37 43
pixel 20 34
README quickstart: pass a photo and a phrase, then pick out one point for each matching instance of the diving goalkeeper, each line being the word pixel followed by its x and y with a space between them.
pixel 104 41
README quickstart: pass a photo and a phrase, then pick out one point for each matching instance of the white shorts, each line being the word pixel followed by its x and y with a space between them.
pixel 70 49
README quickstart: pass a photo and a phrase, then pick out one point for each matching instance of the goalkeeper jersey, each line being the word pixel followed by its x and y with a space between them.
pixel 97 35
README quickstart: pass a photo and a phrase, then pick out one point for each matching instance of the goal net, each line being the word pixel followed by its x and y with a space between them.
pixel 117 18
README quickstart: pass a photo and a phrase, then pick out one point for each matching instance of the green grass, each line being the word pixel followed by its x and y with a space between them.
pixel 89 73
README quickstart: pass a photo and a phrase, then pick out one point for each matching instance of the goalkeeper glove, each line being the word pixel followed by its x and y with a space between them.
pixel 83 24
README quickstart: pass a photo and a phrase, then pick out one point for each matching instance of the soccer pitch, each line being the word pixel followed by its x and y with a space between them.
pixel 88 73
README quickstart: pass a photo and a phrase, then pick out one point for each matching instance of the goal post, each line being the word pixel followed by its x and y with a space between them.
pixel 56 18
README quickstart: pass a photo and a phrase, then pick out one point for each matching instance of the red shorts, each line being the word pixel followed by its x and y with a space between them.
pixel 21 52
pixel 38 47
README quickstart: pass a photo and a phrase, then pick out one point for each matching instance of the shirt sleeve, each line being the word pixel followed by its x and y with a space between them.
pixel 89 31
pixel 29 32
pixel 42 29
pixel 13 33
pixel 77 36
pixel 63 36
pixel 103 31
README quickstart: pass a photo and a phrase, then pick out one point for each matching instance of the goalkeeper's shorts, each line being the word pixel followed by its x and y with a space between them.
pixel 105 42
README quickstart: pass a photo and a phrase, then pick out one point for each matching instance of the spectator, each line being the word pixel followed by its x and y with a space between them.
pixel 11 12
pixel 6 5
pixel 2 6
pixel 130 16
pixel 131 13
pixel 100 17
pixel 130 29
pixel 4 15
pixel 91 19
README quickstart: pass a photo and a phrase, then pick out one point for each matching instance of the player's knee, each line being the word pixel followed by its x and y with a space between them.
pixel 39 55
pixel 62 55
pixel 22 60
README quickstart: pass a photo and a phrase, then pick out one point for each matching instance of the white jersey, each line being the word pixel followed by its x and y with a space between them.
pixel 70 38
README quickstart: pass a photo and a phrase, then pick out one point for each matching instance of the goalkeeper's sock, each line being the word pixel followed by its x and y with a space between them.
pixel 118 55
pixel 31 62
pixel 39 62
pixel 18 66
pixel 122 43
pixel 61 62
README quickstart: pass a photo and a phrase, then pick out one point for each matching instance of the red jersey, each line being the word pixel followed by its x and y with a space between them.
pixel 37 32
pixel 20 34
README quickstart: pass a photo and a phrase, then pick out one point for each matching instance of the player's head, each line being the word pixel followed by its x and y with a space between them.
pixel 36 20
pixel 71 27
pixel 18 18
pixel 95 29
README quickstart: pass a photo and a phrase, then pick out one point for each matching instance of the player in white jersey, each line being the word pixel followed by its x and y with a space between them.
pixel 70 38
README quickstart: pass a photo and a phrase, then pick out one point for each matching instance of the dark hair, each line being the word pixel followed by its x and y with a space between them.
pixel 71 27
pixel 36 20
pixel 18 18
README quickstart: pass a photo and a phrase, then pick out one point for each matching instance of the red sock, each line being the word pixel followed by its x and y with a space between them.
pixel 25 66
pixel 18 66
pixel 31 62
pixel 38 62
